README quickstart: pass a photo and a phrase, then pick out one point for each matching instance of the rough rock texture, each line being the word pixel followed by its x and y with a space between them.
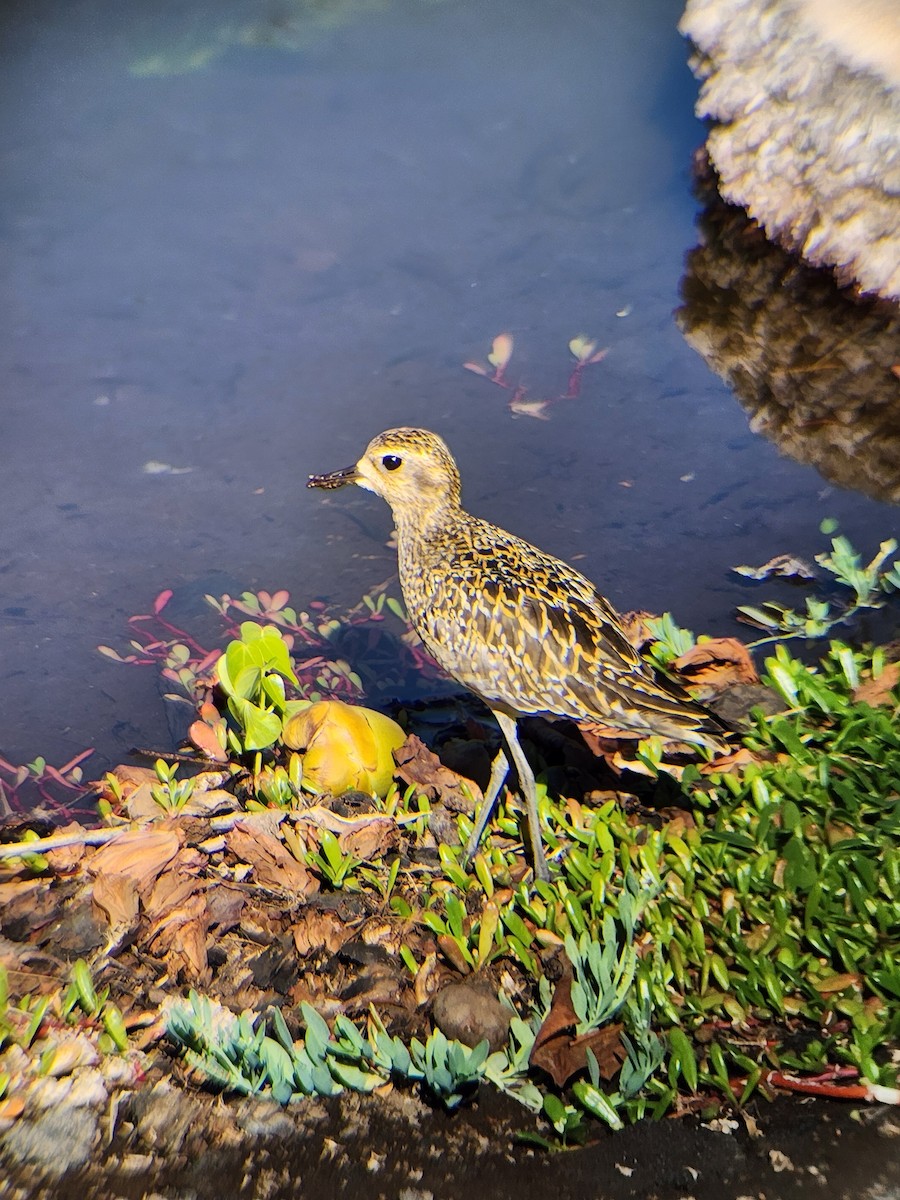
pixel 816 368
pixel 806 99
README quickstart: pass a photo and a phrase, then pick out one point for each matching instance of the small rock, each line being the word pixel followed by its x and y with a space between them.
pixel 471 1013
pixel 56 1142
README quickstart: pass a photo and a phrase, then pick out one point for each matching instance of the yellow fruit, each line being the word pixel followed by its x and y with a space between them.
pixel 347 747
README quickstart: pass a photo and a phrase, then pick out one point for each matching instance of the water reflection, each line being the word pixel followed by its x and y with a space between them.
pixel 816 368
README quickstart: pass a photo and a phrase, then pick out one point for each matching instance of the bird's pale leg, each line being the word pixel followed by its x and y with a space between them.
pixel 529 793
pixel 499 771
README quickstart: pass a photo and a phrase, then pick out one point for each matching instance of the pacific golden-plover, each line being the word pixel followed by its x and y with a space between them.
pixel 523 630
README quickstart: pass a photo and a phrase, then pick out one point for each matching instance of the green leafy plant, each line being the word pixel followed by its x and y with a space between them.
pixel 335 867
pixel 83 995
pixel 252 673
pixel 870 583
pixel 670 641
pixel 239 1052
pixel 170 794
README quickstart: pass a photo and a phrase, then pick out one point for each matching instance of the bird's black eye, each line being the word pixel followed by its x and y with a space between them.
pixel 391 462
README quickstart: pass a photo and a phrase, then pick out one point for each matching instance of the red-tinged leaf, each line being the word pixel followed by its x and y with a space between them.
pixel 204 737
pixel 599 356
pixel 207 661
pixel 54 774
pixel 209 713
pixel 162 600
pixel 74 762
pixel 476 367
pixel 279 600
pixel 265 599
pixel 108 652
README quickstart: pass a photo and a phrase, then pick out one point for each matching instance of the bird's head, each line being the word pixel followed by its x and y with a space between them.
pixel 411 469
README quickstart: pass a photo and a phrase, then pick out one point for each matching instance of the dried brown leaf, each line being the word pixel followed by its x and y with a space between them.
pixel 717 663
pixel 450 949
pixel 171 890
pixel 370 840
pixel 419 766
pixel 561 1054
pixel 225 906
pixel 428 979
pixel 117 898
pixel 273 865
pixel 66 858
pixel 180 935
pixel 140 854
pixel 320 931
pixel 879 691
pixel 187 953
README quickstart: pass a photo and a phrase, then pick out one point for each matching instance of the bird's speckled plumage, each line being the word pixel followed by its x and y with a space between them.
pixel 523 630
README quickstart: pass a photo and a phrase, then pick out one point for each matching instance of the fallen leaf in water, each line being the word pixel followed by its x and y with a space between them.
pixel 785 565
pixel 160 468
pixel 717 663
pixel 562 1054
pixel 880 690
pixel 530 408
pixel 501 351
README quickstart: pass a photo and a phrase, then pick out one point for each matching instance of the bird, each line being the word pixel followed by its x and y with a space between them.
pixel 523 630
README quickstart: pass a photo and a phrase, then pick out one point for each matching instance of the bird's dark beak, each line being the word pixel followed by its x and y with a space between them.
pixel 335 479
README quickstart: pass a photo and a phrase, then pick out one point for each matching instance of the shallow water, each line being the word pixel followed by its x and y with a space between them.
pixel 240 239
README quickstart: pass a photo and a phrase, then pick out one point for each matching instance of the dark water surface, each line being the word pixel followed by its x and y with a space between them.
pixel 241 239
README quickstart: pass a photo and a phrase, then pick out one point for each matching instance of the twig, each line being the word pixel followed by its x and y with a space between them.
pixel 825 1085
pixel 100 837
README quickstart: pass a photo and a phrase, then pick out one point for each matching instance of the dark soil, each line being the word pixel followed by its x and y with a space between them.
pixel 174 1144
